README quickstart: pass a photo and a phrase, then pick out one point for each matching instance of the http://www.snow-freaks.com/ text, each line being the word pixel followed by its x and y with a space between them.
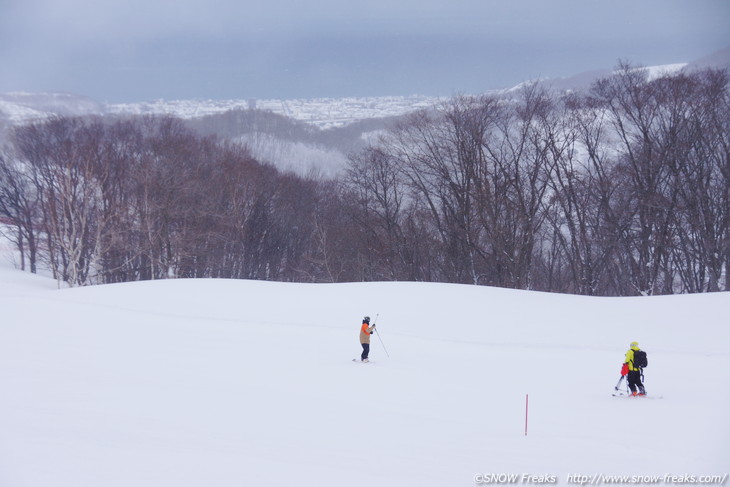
pixel 598 479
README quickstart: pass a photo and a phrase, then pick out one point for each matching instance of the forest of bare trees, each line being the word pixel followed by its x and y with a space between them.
pixel 623 190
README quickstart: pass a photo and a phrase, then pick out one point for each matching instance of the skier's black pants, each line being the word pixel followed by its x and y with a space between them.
pixel 365 351
pixel 634 380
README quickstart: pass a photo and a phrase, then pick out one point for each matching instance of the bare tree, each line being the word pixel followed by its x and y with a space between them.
pixel 62 156
pixel 19 205
pixel 373 178
pixel 441 156
pixel 633 106
pixel 696 120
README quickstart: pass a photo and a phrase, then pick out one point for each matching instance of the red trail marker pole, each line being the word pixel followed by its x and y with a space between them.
pixel 527 404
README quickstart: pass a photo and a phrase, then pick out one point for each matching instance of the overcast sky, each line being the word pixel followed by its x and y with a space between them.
pixel 138 50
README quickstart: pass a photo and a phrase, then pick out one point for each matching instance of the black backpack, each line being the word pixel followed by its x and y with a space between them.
pixel 640 360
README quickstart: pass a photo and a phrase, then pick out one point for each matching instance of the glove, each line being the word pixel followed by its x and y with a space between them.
pixel 625 369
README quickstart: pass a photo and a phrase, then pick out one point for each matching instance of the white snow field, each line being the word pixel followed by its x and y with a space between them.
pixel 238 383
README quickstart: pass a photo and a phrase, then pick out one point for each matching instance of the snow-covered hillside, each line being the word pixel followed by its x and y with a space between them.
pixel 19 108
pixel 240 383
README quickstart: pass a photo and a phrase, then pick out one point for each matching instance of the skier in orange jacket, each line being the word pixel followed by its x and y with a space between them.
pixel 365 331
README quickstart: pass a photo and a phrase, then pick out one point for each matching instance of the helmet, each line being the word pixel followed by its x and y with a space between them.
pixel 366 320
pixel 634 344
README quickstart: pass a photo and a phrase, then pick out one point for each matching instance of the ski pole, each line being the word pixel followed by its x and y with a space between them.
pixel 619 383
pixel 381 342
pixel 377 333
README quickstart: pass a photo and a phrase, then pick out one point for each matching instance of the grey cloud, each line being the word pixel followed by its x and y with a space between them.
pixel 140 49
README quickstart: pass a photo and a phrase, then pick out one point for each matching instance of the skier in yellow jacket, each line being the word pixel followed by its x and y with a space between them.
pixel 632 371
pixel 365 331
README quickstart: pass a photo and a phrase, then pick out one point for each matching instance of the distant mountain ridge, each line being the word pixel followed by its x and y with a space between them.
pixel 324 113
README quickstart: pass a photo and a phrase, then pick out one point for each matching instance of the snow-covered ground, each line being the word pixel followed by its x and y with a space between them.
pixel 241 383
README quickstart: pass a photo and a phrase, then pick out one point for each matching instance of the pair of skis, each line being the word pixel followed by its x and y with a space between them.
pixel 362 362
pixel 618 392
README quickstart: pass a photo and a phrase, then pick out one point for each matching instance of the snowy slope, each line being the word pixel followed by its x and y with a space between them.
pixel 241 383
